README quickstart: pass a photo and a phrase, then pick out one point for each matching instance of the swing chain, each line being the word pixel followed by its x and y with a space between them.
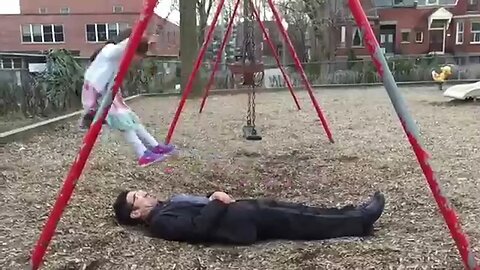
pixel 253 109
pixel 249 112
pixel 249 45
pixel 252 52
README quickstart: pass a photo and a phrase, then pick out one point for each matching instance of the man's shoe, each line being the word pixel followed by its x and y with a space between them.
pixel 373 209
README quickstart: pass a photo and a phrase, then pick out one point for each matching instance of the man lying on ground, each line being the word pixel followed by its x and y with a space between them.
pixel 220 219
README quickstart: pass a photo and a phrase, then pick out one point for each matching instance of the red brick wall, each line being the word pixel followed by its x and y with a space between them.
pixel 79 6
pixel 73 25
pixel 466 47
pixel 417 20
pixel 165 37
pixel 409 18
pixel 74 32
pixel 362 51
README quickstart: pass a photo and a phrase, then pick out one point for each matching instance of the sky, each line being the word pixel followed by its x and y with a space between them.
pixel 163 8
pixel 9 7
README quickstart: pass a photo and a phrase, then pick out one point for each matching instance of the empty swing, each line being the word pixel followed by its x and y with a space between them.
pixel 251 75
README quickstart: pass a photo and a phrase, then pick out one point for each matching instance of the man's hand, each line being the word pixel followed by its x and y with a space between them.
pixel 221 196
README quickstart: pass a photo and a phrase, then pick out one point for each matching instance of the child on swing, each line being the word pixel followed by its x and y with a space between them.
pixel 98 79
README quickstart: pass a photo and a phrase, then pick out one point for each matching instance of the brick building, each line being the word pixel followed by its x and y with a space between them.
pixel 416 27
pixel 80 26
pixel 440 26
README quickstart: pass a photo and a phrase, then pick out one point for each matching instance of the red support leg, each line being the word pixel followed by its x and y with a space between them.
pixel 89 141
pixel 198 63
pixel 300 68
pixel 219 56
pixel 411 130
pixel 275 54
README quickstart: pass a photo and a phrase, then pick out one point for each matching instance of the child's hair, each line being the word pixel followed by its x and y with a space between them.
pixel 142 48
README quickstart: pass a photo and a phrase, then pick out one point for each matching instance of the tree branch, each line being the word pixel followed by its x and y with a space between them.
pixel 210 5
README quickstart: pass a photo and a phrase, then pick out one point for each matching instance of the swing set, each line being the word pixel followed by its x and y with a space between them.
pixel 249 69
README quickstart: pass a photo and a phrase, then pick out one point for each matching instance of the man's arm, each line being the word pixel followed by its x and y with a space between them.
pixel 170 226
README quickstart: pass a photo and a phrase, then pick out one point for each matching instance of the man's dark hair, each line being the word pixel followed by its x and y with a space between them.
pixel 123 209
pixel 142 48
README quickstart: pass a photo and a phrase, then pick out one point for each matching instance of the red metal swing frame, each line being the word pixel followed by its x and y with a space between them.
pixel 449 214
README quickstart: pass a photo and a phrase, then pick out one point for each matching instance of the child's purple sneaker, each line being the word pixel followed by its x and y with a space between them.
pixel 149 158
pixel 165 149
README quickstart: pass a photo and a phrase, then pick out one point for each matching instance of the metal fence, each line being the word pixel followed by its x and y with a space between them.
pixel 18 94
pixel 348 71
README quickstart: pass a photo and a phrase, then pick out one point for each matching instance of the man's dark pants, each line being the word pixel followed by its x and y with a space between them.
pixel 281 220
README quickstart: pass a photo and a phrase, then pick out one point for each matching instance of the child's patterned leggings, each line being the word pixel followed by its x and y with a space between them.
pixel 140 139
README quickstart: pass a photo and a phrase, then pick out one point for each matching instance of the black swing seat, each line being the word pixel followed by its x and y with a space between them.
pixel 250 133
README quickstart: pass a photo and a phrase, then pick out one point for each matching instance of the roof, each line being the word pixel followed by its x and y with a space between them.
pixel 411 3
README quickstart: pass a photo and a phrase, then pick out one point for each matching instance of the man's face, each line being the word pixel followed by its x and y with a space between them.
pixel 141 203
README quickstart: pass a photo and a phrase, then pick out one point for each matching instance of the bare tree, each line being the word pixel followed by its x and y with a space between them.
pixel 204 8
pixel 319 17
pixel 298 24
pixel 314 16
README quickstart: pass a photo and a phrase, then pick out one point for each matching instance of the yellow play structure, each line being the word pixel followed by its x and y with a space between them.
pixel 442 77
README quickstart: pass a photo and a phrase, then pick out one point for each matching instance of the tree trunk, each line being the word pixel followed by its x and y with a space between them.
pixel 188 43
pixel 202 23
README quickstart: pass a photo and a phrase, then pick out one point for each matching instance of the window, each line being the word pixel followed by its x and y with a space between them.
pixel 101 32
pixel 432 2
pixel 357 37
pixel 48 33
pixel 117 9
pixel 38 33
pixel 405 36
pixel 42 10
pixel 65 10
pixel 10 63
pixel 459 33
pixel 438 24
pixel 419 37
pixel 343 34
pixel 472 5
pixel 397 2
pixel 475 32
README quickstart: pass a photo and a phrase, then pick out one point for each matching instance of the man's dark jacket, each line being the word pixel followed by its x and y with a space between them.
pixel 247 221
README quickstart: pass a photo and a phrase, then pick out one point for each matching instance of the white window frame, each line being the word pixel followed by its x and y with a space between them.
pixel 343 36
pixel 401 36
pixel 65 10
pixel 121 9
pixel 362 41
pixel 474 33
pixel 106 27
pixel 421 37
pixel 12 62
pixel 43 34
pixel 459 33
pixel 42 10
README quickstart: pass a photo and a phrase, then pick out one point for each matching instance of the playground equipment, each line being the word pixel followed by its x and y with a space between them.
pixel 442 77
pixel 249 70
pixel 464 91
pixel 246 70
pixel 251 74
pixel 449 214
